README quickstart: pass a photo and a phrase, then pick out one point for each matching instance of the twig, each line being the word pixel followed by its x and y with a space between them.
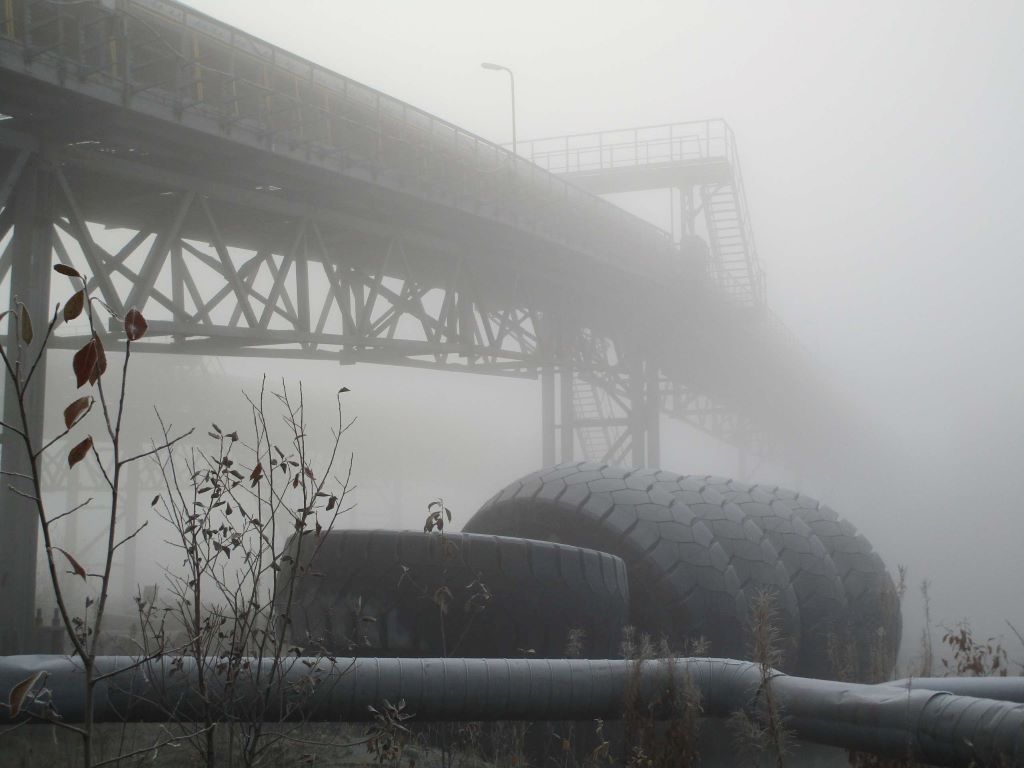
pixel 42 346
pixel 103 470
pixel 157 449
pixel 1015 631
pixel 63 434
pixel 49 718
pixel 5 731
pixel 23 495
pixel 71 511
pixel 22 475
pixel 131 536
pixel 12 428
pixel 316 743
pixel 151 748
pixel 129 667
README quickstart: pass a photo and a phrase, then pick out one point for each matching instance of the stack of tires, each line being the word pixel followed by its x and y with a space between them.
pixel 559 562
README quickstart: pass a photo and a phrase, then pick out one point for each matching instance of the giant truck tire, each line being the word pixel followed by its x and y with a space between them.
pixel 751 553
pixel 874 606
pixel 681 583
pixel 815 579
pixel 413 594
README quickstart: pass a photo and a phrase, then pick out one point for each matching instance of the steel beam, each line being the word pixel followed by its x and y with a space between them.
pixel 652 413
pixel 547 415
pixel 566 414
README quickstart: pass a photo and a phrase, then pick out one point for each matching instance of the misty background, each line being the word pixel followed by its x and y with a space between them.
pixel 881 150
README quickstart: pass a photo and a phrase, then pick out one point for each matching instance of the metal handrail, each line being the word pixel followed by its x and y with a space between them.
pixel 709 140
pixel 713 138
pixel 390 120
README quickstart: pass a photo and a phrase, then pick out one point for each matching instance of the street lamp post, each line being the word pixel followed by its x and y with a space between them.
pixel 512 83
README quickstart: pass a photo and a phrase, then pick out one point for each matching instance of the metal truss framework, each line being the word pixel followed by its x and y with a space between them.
pixel 326 293
pixel 300 289
pixel 251 203
pixel 313 288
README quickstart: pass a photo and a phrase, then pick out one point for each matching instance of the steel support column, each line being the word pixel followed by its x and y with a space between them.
pixel 636 387
pixel 547 414
pixel 652 407
pixel 566 414
pixel 30 285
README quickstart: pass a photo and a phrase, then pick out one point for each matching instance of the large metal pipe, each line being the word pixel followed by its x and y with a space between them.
pixel 1001 688
pixel 934 727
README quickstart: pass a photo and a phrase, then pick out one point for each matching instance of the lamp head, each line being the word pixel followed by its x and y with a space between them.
pixel 488 65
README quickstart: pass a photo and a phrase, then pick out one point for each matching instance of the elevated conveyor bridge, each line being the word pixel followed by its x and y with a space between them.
pixel 250 202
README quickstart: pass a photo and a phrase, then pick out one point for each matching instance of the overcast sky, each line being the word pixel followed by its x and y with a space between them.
pixel 881 145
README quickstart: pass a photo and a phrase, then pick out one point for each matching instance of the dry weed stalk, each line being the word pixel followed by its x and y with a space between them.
pixel 767 733
pixel 927 668
pixel 648 743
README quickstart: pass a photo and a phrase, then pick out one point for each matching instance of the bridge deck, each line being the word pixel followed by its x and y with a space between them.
pixel 162 120
pixel 163 60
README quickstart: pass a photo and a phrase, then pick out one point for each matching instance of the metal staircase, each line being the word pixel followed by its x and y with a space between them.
pixel 734 264
pixel 699 159
pixel 588 410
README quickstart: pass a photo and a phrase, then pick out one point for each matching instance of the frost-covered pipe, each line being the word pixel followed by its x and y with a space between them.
pixel 923 725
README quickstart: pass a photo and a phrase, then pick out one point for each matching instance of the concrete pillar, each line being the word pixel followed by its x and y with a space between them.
pixel 30 283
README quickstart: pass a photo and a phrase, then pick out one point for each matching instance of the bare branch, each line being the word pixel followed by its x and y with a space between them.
pixel 315 743
pixel 130 536
pixel 136 663
pixel 12 428
pixel 151 748
pixel 103 471
pixel 48 717
pixel 43 345
pixel 50 444
pixel 71 511
pixel 29 496
pixel 22 475
pixel 157 449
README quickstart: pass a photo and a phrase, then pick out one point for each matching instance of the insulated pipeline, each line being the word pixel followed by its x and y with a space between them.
pixel 929 726
pixel 1002 688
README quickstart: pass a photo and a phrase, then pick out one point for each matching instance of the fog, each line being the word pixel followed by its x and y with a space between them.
pixel 882 158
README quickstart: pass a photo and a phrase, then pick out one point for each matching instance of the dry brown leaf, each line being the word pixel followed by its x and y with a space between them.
pixel 18 693
pixel 67 271
pixel 75 411
pixel 75 565
pixel 74 306
pixel 79 452
pixel 90 362
pixel 25 324
pixel 135 325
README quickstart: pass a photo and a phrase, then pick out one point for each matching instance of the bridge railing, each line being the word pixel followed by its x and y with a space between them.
pixel 165 53
pixel 645 145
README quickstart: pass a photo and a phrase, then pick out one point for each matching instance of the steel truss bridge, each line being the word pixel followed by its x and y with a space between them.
pixel 252 203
